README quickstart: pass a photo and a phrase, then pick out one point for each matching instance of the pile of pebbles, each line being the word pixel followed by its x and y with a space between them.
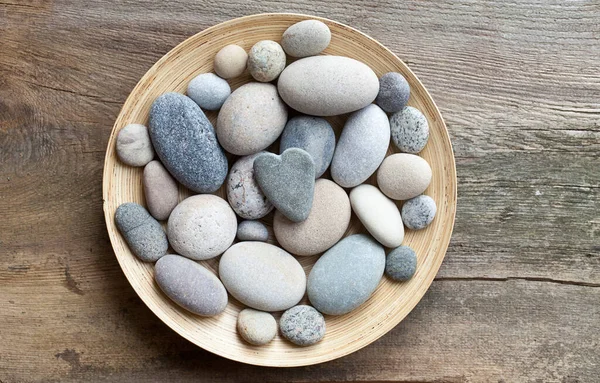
pixel 312 214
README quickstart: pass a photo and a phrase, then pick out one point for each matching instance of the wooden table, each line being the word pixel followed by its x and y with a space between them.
pixel 517 298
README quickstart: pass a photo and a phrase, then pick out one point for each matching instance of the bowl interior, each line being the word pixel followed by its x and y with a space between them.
pixel 391 302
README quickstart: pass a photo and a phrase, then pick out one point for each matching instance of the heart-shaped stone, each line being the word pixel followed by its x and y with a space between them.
pixel 288 181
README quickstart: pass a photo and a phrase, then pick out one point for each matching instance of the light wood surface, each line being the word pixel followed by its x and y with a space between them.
pixel 516 298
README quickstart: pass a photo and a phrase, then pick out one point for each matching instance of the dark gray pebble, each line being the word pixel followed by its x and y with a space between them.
pixel 418 212
pixel 401 263
pixel 143 234
pixel 302 325
pixel 394 92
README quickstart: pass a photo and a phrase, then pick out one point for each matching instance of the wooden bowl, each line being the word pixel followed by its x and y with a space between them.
pixel 390 303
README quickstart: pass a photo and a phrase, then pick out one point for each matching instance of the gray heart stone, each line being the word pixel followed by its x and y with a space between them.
pixel 288 181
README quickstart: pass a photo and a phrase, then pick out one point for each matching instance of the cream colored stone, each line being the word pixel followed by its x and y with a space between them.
pixel 230 61
pixel 403 176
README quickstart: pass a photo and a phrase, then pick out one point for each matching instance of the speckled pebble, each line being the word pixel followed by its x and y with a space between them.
pixel 209 91
pixel 302 325
pixel 418 212
pixel 143 234
pixel 410 130
pixel 160 189
pixel 266 60
pixel 394 92
pixel 401 263
pixel 306 38
pixel 256 327
pixel 243 193
pixel 252 231
pixel 133 145
pixel 230 61
pixel 402 176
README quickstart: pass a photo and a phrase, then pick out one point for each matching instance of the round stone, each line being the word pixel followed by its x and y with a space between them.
pixel 306 38
pixel 378 214
pixel 202 227
pixel 418 212
pixel 402 176
pixel 256 327
pixel 394 92
pixel 243 193
pixel 252 231
pixel 133 145
pixel 251 119
pixel 313 135
pixel 325 226
pixel 190 285
pixel 410 130
pixel 143 234
pixel 209 91
pixel 266 60
pixel 160 190
pixel 302 325
pixel 230 61
pixel 401 263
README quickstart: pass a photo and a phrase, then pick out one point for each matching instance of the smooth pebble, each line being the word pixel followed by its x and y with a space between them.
pixel 418 212
pixel 230 61
pixel 160 190
pixel 209 91
pixel 306 38
pixel 402 176
pixel 266 60
pixel 133 145
pixel 252 231
pixel 143 234
pixel 410 130
pixel 394 92
pixel 302 325
pixel 243 193
pixel 256 327
pixel 401 263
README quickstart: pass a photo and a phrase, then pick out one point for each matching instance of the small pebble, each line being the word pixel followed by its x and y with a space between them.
pixel 160 190
pixel 266 60
pixel 256 327
pixel 230 61
pixel 243 193
pixel 252 231
pixel 143 234
pixel 133 145
pixel 302 325
pixel 209 91
pixel 418 212
pixel 402 176
pixel 410 130
pixel 401 263
pixel 306 38
pixel 394 92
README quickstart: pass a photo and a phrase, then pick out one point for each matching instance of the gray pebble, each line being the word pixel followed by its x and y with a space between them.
pixel 256 327
pixel 209 91
pixel 302 325
pixel 312 134
pixel 266 60
pixel 418 212
pixel 133 145
pixel 306 38
pixel 410 130
pixel 190 285
pixel 160 190
pixel 288 181
pixel 394 92
pixel 143 234
pixel 252 231
pixel 186 143
pixel 243 193
pixel 401 263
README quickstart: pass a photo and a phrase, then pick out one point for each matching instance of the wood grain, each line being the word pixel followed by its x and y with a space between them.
pixel 517 83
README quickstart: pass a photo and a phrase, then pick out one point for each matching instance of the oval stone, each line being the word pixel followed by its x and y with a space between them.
pixel 252 231
pixel 190 285
pixel 302 325
pixel 401 263
pixel 326 224
pixel 362 146
pixel 230 61
pixel 251 119
pixel 394 92
pixel 256 327
pixel 266 60
pixel 346 275
pixel 143 234
pixel 328 85
pixel 160 190
pixel 133 145
pixel 410 130
pixel 243 193
pixel 209 91
pixel 378 214
pixel 262 276
pixel 185 142
pixel 306 38
pixel 418 212
pixel 402 176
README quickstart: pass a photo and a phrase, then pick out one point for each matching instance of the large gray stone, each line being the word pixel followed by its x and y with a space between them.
pixel 243 193
pixel 143 234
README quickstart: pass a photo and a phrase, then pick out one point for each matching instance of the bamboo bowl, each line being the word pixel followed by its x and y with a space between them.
pixel 390 303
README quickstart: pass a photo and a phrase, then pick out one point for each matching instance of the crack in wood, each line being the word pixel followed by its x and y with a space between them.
pixel 94 97
pixel 527 279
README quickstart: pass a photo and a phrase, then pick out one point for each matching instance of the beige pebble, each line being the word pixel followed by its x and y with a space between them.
pixel 403 176
pixel 133 145
pixel 256 327
pixel 230 61
pixel 160 190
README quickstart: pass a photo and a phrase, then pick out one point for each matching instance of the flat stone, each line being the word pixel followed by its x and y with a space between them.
pixel 230 61
pixel 202 227
pixel 418 212
pixel 243 193
pixel 160 190
pixel 325 226
pixel 288 181
pixel 209 91
pixel 133 145
pixel 306 38
pixel 410 130
pixel 346 275
pixel 143 234
pixel 362 146
pixel 185 142
pixel 252 231
pixel 262 276
pixel 402 176
pixel 266 60
pixel 378 214
pixel 401 263
pixel 313 135
pixel 302 325
pixel 328 85
pixel 394 92
pixel 251 119
pixel 190 285
pixel 256 327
